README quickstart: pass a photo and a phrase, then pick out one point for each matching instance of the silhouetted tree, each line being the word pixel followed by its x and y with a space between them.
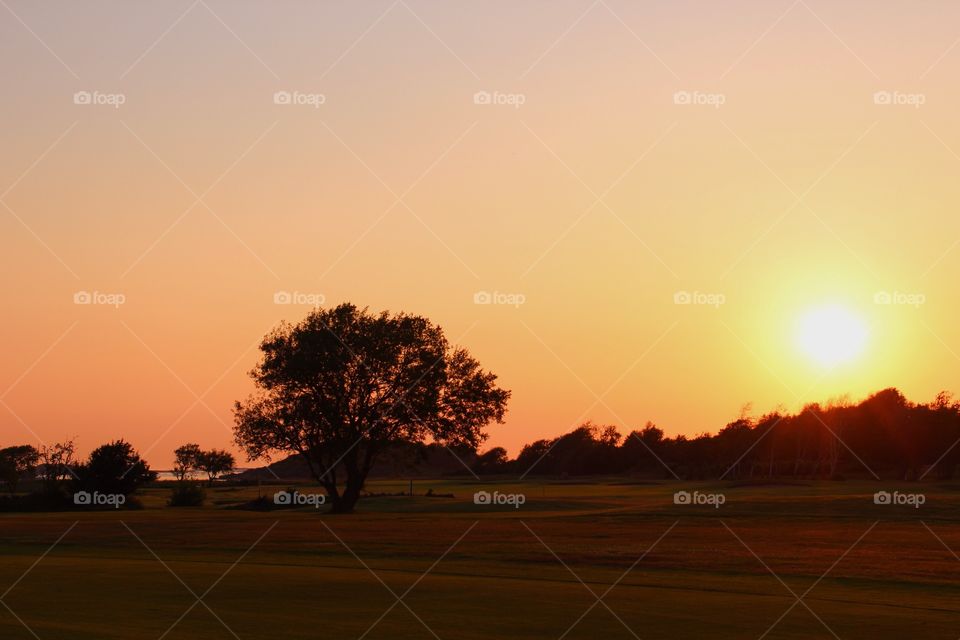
pixel 16 462
pixel 493 461
pixel 56 464
pixel 186 460
pixel 343 384
pixel 113 468
pixel 641 449
pixel 533 457
pixel 215 463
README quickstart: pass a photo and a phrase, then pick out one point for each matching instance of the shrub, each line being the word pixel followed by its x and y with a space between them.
pixel 114 468
pixel 187 494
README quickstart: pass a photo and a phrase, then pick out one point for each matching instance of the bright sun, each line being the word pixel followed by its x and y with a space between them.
pixel 831 335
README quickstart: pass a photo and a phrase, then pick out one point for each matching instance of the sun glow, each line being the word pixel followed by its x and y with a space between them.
pixel 831 335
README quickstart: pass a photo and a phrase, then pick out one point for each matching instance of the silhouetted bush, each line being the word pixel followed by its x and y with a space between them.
pixel 114 469
pixel 187 494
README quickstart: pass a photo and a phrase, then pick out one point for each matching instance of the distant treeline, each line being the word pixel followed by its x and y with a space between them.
pixel 884 435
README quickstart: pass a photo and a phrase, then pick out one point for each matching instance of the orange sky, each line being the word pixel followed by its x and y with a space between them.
pixel 776 181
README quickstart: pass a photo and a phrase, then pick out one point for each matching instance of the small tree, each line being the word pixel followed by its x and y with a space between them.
pixel 16 462
pixel 215 463
pixel 114 468
pixel 344 384
pixel 186 460
pixel 56 464
pixel 493 461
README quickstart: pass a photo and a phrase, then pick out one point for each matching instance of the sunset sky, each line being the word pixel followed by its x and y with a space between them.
pixel 771 159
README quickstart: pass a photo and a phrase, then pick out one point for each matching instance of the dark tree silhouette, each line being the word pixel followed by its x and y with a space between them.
pixel 56 464
pixel 343 384
pixel 215 463
pixel 113 468
pixel 493 461
pixel 16 462
pixel 186 460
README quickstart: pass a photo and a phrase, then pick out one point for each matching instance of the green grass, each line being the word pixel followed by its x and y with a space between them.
pixel 302 580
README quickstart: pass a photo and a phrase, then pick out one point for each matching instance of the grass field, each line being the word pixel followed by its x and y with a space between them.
pixel 599 560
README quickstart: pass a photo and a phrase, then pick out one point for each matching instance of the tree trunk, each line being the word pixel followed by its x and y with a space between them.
pixel 346 501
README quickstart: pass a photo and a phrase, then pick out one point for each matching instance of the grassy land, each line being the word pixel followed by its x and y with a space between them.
pixel 530 572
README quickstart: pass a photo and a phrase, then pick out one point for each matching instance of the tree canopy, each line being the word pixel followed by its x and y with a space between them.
pixel 114 468
pixel 344 383
pixel 17 462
